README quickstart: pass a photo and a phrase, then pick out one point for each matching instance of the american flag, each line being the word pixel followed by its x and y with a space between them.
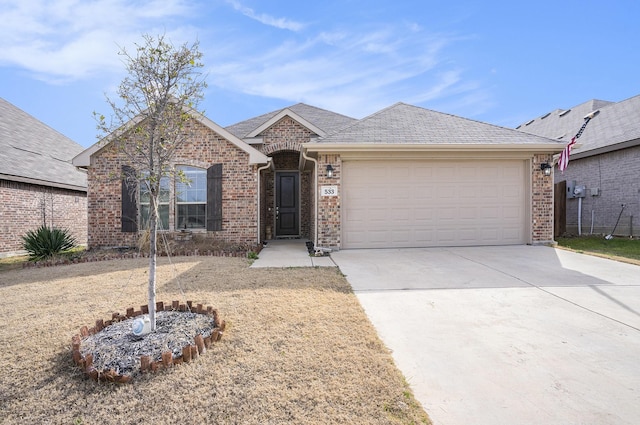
pixel 563 161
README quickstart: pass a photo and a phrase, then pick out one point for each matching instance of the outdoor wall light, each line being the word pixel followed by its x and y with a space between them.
pixel 546 168
pixel 329 171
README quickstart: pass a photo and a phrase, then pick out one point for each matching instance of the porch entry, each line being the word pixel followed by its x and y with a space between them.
pixel 287 203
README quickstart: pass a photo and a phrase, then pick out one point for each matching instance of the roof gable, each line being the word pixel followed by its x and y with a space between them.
pixel 403 124
pixel 323 121
pixel 286 113
pixel 32 152
pixel 255 156
pixel 617 126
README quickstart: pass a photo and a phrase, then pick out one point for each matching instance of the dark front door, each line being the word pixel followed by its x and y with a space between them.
pixel 287 214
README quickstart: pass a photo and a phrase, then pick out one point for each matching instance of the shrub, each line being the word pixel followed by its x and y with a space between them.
pixel 46 242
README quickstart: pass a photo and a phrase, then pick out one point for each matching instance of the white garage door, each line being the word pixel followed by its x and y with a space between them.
pixel 433 203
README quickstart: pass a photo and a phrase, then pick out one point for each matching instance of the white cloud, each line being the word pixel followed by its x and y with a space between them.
pixel 354 69
pixel 64 40
pixel 351 71
pixel 282 23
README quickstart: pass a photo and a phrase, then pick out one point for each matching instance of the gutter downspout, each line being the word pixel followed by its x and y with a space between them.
pixel 260 169
pixel 315 194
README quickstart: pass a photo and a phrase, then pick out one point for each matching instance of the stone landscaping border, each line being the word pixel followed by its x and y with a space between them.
pixel 189 353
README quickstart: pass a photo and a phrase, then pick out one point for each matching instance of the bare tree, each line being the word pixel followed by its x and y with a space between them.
pixel 163 84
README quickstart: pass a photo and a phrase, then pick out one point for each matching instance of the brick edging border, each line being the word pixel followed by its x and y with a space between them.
pixel 189 352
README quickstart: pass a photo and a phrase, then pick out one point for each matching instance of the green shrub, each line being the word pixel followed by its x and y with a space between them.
pixel 46 242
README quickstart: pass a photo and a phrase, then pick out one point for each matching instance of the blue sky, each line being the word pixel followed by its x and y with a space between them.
pixel 501 62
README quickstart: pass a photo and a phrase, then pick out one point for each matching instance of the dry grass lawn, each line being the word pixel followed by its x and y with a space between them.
pixel 298 348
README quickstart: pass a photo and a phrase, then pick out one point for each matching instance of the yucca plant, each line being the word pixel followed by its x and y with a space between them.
pixel 46 242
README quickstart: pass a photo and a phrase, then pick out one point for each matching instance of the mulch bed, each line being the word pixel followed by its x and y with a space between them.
pixel 110 351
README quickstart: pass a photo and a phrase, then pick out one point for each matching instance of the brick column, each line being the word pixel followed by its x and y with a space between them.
pixel 329 206
pixel 541 201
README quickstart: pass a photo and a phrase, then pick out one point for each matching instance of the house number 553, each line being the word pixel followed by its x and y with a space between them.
pixel 329 191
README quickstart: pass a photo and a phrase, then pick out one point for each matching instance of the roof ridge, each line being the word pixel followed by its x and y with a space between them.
pixel 358 121
pixel 595 104
pixel 470 119
pixel 320 109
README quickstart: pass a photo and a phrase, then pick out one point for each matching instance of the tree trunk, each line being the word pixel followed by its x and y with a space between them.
pixel 153 230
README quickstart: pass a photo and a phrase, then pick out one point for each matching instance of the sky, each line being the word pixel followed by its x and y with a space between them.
pixel 500 62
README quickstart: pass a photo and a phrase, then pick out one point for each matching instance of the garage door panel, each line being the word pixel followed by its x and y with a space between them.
pixel 377 216
pixel 424 214
pixel 445 192
pixel 433 203
pixel 400 236
pixel 513 213
pixel 446 237
pixel 492 234
pixel 446 172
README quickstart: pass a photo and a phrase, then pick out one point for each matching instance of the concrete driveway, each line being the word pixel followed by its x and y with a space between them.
pixel 507 335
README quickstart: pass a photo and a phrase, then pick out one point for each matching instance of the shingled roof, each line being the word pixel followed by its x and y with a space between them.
pixel 327 121
pixel 32 152
pixel 616 126
pixel 403 124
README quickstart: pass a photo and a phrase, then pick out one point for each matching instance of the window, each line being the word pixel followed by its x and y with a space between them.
pixel 163 204
pixel 191 198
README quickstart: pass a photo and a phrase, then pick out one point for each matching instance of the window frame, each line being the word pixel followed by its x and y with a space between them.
pixel 164 203
pixel 197 196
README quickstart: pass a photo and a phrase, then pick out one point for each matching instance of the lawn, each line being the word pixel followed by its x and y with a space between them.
pixel 625 249
pixel 298 348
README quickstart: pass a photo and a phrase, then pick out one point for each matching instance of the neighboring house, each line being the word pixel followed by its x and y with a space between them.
pixel 605 163
pixel 38 183
pixel 403 177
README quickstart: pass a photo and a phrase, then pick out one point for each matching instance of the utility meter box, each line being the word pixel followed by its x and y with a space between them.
pixel 575 191
pixel 571 185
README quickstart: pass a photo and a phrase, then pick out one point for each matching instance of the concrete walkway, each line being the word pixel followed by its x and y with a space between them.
pixel 289 253
pixel 507 335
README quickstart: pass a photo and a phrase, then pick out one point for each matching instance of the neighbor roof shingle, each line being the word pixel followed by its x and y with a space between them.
pixel 616 123
pixel 29 149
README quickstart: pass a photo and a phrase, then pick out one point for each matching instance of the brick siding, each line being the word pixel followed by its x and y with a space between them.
pixel 616 176
pixel 203 149
pixel 25 207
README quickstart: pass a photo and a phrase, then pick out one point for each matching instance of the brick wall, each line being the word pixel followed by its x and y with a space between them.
pixel 329 206
pixel 285 135
pixel 203 149
pixel 541 201
pixel 282 142
pixel 25 207
pixel 616 177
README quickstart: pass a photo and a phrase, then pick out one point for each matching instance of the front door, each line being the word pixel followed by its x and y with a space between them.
pixel 287 208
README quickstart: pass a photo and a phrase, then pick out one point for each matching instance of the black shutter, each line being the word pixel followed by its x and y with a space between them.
pixel 129 217
pixel 214 197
